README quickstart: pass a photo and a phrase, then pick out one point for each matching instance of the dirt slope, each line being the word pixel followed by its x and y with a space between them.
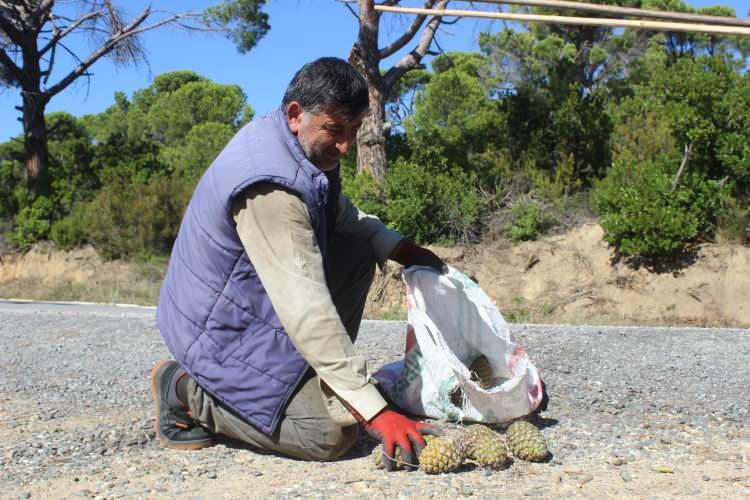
pixel 569 278
pixel 574 278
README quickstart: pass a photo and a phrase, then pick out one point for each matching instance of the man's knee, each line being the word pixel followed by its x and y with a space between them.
pixel 329 441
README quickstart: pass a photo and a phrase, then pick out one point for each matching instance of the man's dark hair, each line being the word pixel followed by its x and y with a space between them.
pixel 328 84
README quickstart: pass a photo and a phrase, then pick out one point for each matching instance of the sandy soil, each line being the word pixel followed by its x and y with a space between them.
pixel 575 278
pixel 570 278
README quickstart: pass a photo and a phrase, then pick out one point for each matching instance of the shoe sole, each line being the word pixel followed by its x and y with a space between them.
pixel 157 399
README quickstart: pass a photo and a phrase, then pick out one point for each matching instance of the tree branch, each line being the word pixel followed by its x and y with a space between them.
pixel 676 181
pixel 412 59
pixel 348 3
pixel 10 30
pixel 408 34
pixel 130 30
pixel 62 34
pixel 12 68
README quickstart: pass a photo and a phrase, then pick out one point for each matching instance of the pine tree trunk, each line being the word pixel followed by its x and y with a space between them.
pixel 35 143
pixel 371 154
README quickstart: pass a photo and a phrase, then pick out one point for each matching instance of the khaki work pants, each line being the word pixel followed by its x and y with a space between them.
pixel 306 430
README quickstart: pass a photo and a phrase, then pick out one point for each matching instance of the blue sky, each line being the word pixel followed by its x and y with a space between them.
pixel 301 30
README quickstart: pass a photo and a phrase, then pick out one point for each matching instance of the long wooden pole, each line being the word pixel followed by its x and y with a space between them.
pixel 579 21
pixel 625 11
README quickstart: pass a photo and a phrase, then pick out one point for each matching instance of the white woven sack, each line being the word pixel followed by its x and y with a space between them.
pixel 452 322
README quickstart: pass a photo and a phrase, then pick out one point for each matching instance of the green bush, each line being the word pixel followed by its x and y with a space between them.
pixel 642 215
pixel 365 193
pixel 11 176
pixel 429 205
pixel 137 220
pixel 556 188
pixel 72 230
pixel 32 222
pixel 191 157
pixel 529 221
pixel 734 221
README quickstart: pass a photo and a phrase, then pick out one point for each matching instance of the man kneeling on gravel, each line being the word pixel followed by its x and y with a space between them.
pixel 267 283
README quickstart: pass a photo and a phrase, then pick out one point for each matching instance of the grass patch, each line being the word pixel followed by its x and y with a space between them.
pixel 395 313
pixel 139 284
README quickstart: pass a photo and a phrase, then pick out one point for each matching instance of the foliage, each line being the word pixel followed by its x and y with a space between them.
pixel 174 113
pixel 555 188
pixel 32 222
pixel 138 219
pixel 431 204
pixel 493 140
pixel 453 111
pixel 189 159
pixel 120 158
pixel 11 176
pixel 246 22
pixel 642 215
pixel 113 120
pixel 682 45
pixel 73 176
pixel 35 45
pixel 733 138
pixel 72 230
pixel 529 221
pixel 734 221
pixel 365 192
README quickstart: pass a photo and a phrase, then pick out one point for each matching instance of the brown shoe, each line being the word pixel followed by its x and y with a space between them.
pixel 174 424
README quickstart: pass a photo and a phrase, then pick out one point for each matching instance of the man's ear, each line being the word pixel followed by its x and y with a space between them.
pixel 294 115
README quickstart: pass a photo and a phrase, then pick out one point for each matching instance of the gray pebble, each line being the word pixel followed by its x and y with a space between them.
pixel 102 373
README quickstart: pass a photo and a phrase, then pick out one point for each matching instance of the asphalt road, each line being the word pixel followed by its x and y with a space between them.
pixel 627 404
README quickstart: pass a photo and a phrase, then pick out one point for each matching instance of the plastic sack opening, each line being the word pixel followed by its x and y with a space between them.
pixel 451 323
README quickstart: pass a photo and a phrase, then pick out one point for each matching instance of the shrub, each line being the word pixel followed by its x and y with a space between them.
pixel 435 204
pixel 11 176
pixel 191 157
pixel 72 230
pixel 32 222
pixel 642 215
pixel 138 219
pixel 365 193
pixel 529 221
pixel 556 188
pixel 734 221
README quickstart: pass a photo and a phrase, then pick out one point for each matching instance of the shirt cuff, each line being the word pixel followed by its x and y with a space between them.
pixel 366 400
pixel 384 242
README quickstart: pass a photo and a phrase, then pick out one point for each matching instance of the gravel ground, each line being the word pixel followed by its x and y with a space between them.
pixel 634 412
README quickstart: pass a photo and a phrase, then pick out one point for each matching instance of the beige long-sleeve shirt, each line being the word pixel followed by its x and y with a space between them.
pixel 275 228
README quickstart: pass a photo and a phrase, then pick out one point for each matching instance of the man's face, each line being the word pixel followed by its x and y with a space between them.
pixel 324 136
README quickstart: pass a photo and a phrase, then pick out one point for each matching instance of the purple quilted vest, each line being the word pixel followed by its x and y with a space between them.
pixel 214 314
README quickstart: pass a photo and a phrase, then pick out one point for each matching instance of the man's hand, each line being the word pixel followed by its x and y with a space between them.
pixel 408 254
pixel 393 429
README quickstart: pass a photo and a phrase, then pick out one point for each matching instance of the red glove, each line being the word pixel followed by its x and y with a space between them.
pixel 393 429
pixel 408 254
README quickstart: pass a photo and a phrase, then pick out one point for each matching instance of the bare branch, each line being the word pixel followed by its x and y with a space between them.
pixel 410 60
pixel 125 32
pixel 10 30
pixel 14 71
pixel 56 37
pixel 43 7
pixel 408 34
pixel 106 47
pixel 685 155
pixel 348 5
